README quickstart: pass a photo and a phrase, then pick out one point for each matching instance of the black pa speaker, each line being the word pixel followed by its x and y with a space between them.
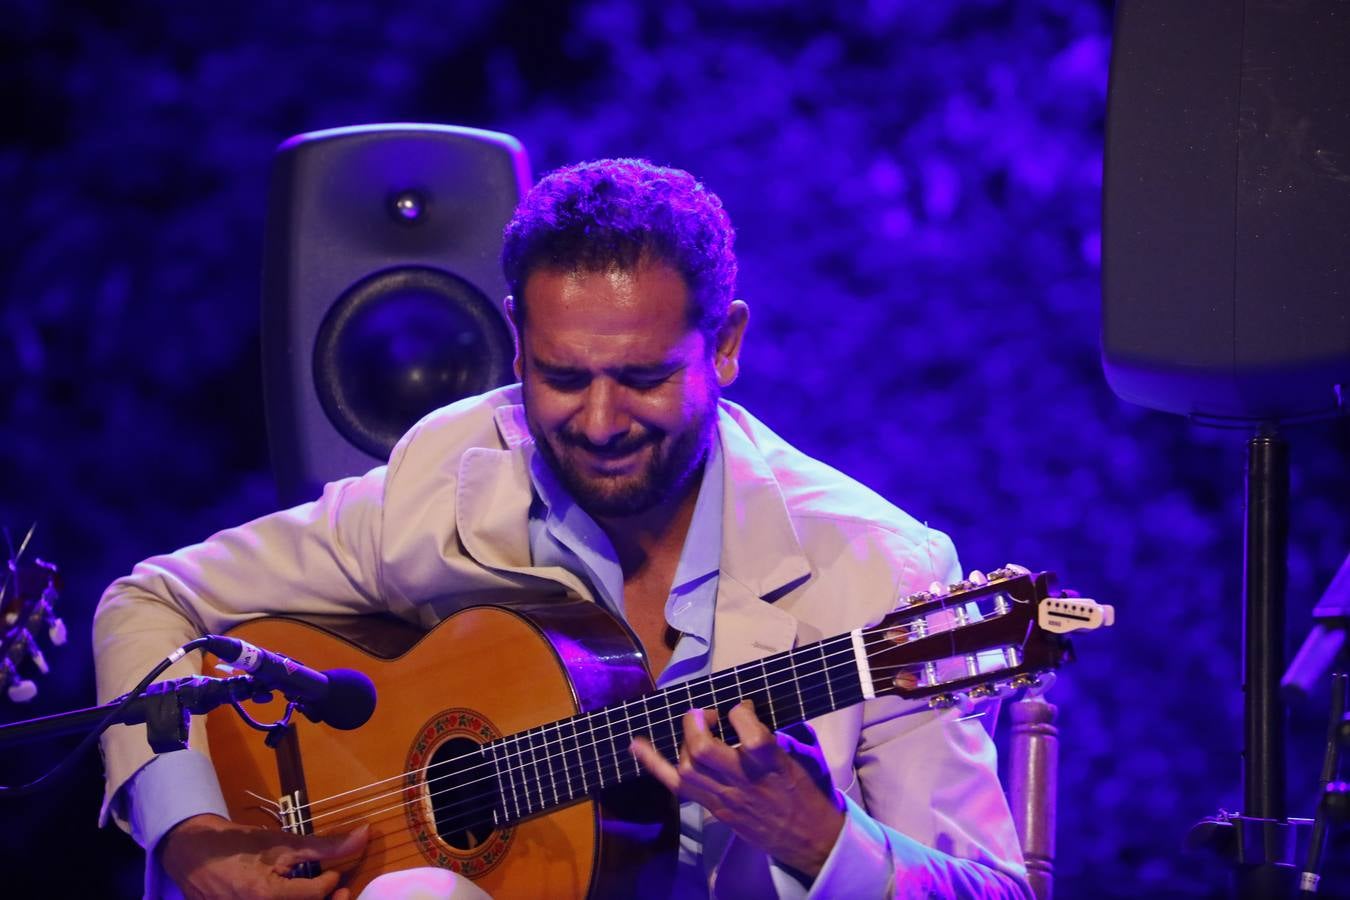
pixel 382 289
pixel 1226 236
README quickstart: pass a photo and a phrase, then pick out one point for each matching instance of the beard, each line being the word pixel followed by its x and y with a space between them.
pixel 666 469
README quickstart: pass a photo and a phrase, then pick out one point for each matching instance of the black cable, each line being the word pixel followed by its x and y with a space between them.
pixel 1308 878
pixel 112 718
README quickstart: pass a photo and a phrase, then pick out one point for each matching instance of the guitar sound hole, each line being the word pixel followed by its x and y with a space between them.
pixel 462 792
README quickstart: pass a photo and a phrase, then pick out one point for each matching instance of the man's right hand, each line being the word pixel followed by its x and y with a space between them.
pixel 210 857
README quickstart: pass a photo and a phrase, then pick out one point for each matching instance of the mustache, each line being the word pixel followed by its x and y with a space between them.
pixel 619 446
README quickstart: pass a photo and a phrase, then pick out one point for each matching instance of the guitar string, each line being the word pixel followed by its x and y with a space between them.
pixel 483 801
pixel 608 755
pixel 614 761
pixel 664 716
pixel 867 633
pixel 622 706
pixel 846 650
pixel 664 745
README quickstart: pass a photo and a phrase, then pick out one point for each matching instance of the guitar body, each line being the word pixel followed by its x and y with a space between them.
pixel 483 673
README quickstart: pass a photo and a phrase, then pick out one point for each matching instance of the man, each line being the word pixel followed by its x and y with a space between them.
pixel 615 469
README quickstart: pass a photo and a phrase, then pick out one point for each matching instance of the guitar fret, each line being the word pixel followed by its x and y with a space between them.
pixel 576 744
pixel 770 712
pixel 673 717
pixel 533 734
pixel 604 717
pixel 511 773
pixel 550 758
pixel 572 756
pixel 555 763
pixel 719 684
pixel 568 791
pixel 797 687
pixel 628 730
pixel 616 732
pixel 825 665
pixel 690 703
pixel 490 751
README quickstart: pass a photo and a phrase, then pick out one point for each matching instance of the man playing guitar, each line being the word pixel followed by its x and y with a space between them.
pixel 614 471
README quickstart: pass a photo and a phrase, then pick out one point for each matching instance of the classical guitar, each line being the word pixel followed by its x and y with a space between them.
pixel 499 747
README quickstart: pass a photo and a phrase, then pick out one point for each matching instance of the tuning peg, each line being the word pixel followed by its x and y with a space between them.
pixel 937 589
pixel 988 691
pixel 976 577
pixel 1044 682
pixel 963 704
pixel 22 691
pixel 56 632
pixel 1017 570
pixel 35 654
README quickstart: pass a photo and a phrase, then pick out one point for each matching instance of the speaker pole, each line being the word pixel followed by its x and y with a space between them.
pixel 1266 551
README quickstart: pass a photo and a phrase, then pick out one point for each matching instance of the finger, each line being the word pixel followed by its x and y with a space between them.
pixel 655 764
pixel 325 847
pixel 759 746
pixel 704 753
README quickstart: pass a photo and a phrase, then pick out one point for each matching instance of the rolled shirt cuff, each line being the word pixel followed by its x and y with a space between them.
pixel 168 789
pixel 859 864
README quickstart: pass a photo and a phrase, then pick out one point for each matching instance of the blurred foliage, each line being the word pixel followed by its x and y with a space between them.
pixel 916 190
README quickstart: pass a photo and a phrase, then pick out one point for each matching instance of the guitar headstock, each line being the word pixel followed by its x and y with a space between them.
pixel 986 636
pixel 27 607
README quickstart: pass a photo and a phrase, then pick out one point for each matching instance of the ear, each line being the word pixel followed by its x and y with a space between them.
pixel 727 355
pixel 512 322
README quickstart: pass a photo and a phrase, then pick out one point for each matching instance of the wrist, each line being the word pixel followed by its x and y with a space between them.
pixel 807 859
pixel 183 831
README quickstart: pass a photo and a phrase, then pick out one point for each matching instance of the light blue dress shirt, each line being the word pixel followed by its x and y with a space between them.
pixel 562 534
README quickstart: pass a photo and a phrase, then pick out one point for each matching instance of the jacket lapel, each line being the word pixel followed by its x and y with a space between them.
pixel 492 504
pixel 761 556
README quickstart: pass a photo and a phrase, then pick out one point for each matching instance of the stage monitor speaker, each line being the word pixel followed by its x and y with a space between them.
pixel 1226 235
pixel 382 289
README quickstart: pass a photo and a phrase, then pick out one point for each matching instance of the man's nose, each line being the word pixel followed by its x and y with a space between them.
pixel 604 415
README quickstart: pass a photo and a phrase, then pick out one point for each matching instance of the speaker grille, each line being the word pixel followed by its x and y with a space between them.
pixel 401 343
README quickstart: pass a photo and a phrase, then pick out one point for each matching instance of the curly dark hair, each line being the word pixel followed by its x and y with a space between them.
pixel 619 213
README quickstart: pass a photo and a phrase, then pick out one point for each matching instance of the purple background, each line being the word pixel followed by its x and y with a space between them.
pixel 916 189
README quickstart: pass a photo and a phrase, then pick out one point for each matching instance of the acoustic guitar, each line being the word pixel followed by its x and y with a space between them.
pixel 499 746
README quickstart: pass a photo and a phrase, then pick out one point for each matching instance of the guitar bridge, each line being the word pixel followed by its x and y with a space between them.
pixel 290 809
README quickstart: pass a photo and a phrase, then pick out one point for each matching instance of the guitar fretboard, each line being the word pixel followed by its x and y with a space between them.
pixel 563 761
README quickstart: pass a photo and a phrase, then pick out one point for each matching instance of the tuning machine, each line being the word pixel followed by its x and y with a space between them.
pixel 958 700
pixel 19 690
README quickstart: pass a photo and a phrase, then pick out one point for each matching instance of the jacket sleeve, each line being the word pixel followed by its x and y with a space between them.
pixel 933 819
pixel 321 557
pixel 926 814
pixel 933 822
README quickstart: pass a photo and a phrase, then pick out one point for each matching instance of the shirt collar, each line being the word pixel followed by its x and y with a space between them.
pixel 702 551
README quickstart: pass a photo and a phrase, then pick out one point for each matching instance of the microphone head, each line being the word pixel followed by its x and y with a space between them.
pixel 349 702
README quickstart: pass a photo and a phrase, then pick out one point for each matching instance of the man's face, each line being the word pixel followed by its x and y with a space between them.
pixel 620 392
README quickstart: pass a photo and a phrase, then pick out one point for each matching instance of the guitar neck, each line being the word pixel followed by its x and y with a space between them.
pixel 557 763
pixel 984 635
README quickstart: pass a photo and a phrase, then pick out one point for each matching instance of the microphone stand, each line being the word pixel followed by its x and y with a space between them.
pixel 164 708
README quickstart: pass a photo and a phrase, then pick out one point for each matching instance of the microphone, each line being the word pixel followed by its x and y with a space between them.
pixel 342 698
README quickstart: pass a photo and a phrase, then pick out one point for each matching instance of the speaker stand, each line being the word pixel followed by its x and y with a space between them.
pixel 1266 551
pixel 1261 843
